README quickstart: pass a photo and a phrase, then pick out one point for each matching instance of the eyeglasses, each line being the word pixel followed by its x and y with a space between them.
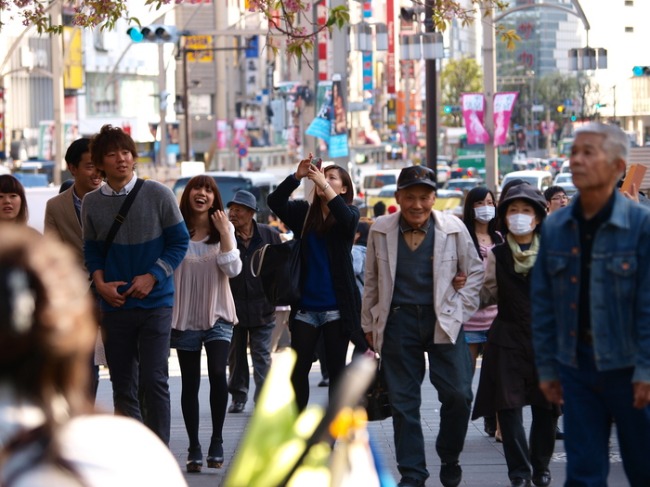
pixel 561 197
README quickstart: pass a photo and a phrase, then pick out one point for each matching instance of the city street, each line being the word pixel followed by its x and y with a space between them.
pixel 482 460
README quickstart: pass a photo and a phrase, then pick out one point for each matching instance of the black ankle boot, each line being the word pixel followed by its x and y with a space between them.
pixel 215 454
pixel 194 459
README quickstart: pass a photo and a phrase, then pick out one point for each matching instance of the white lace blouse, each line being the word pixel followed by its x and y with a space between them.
pixel 202 285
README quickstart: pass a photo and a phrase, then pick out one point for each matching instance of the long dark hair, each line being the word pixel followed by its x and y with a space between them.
pixel 474 195
pixel 315 220
pixel 201 181
pixel 10 185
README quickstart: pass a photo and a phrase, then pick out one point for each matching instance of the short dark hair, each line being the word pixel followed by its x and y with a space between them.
pixel 76 150
pixel 379 208
pixel 552 191
pixel 11 185
pixel 108 139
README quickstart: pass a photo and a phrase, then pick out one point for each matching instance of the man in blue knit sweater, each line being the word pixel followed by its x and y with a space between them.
pixel 134 277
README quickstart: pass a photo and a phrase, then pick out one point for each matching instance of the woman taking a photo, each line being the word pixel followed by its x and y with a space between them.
pixel 204 312
pixel 330 303
pixel 508 375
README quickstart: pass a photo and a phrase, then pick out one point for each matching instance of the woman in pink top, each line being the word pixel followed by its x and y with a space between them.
pixel 204 312
pixel 478 215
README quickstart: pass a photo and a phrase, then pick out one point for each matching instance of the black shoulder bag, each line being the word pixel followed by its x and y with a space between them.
pixel 121 215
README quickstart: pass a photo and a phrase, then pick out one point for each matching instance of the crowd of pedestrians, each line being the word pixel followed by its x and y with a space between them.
pixel 550 292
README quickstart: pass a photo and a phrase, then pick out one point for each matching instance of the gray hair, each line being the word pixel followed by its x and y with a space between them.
pixel 616 143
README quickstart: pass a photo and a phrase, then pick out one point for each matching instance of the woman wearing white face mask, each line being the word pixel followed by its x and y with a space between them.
pixel 478 214
pixel 508 376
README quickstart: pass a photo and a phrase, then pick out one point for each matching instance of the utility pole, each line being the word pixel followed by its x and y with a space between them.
pixel 489 88
pixel 57 94
pixel 162 94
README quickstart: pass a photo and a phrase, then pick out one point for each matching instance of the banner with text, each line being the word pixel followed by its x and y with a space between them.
pixel 473 108
pixel 503 105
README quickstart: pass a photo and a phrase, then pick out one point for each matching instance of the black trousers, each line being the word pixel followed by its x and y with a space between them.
pixel 524 459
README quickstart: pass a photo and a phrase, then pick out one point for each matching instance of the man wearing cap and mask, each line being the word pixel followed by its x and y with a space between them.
pixel 411 308
pixel 256 315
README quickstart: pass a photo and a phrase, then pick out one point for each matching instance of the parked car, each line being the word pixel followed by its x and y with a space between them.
pixel 443 173
pixel 538 179
pixel 463 185
pixel 565 181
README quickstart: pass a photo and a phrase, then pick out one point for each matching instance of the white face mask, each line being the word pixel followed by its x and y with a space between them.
pixel 484 213
pixel 520 224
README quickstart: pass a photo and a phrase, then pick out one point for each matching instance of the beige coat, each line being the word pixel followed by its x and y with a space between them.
pixel 61 221
pixel 454 252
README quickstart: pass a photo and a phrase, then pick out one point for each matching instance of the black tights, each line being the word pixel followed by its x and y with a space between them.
pixel 304 338
pixel 190 362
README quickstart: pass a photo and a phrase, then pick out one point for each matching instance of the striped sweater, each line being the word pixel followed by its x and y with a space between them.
pixel 153 239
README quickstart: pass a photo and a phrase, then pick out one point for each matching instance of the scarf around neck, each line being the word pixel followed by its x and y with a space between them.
pixel 524 259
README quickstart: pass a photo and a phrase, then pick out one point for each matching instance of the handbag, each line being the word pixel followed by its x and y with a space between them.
pixel 376 399
pixel 278 266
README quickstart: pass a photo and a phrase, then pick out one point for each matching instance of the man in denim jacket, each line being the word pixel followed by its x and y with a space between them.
pixel 591 313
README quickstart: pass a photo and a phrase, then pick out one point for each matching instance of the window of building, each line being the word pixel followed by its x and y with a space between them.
pixel 629 3
pixel 629 29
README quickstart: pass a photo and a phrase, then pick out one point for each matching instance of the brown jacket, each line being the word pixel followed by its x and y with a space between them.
pixel 61 221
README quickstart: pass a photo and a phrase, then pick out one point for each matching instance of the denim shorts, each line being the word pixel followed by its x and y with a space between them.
pixel 318 318
pixel 193 340
pixel 475 336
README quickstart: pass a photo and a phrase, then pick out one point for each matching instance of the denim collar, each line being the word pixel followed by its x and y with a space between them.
pixel 619 216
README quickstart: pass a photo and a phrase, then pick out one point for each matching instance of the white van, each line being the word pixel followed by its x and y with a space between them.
pixel 538 179
pixel 372 181
pixel 229 182
pixel 566 167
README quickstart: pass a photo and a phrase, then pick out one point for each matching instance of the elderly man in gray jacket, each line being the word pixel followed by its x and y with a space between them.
pixel 411 308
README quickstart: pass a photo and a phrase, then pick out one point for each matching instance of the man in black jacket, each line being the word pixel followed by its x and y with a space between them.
pixel 256 315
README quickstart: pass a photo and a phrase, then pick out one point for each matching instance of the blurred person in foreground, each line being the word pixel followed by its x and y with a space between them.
pixel 48 432
pixel 410 308
pixel 591 314
pixel 134 277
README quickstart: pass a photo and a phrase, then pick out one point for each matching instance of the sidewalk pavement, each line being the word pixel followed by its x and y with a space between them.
pixel 482 459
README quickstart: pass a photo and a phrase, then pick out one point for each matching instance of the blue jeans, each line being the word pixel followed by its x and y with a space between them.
pixel 137 352
pixel 259 339
pixel 592 399
pixel 407 337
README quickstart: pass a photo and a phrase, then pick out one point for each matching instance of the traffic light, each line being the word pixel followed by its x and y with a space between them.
pixel 641 70
pixel 451 109
pixel 573 116
pixel 560 108
pixel 448 109
pixel 153 33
